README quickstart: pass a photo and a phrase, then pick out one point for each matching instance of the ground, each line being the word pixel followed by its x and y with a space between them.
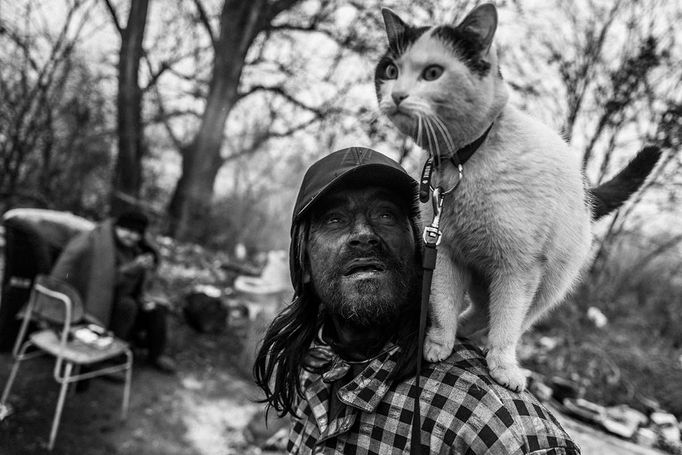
pixel 200 411
pixel 203 410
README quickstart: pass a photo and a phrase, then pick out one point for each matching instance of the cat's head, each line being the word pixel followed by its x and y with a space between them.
pixel 441 85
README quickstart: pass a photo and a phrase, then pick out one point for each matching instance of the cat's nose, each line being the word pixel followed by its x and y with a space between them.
pixel 398 97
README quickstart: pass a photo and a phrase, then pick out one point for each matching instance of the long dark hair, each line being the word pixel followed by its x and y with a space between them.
pixel 277 367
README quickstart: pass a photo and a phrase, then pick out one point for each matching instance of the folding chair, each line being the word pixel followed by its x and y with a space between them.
pixel 57 305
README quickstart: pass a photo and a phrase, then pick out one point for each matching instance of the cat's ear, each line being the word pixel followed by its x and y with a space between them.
pixel 482 22
pixel 394 25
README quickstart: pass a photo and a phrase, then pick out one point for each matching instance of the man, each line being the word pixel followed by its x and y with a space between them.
pixel 110 266
pixel 341 358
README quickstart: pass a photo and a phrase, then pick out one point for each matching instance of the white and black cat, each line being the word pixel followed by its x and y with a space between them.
pixel 517 230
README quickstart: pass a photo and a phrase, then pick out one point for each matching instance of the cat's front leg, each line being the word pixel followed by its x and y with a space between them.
pixel 511 296
pixel 447 296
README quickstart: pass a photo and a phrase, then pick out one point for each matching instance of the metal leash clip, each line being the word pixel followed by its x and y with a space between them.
pixel 432 233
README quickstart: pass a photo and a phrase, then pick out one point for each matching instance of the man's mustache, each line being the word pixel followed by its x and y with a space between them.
pixel 377 258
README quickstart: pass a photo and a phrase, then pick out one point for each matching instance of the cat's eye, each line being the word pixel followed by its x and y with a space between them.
pixel 391 71
pixel 433 72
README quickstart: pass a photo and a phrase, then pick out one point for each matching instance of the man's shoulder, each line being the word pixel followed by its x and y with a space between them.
pixel 464 398
pixel 463 378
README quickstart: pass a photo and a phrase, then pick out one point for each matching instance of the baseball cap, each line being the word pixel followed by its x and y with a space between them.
pixel 348 168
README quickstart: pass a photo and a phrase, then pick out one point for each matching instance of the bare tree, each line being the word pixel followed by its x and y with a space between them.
pixel 240 24
pixel 618 65
pixel 50 111
pixel 127 179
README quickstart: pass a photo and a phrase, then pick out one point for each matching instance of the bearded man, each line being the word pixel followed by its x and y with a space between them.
pixel 340 359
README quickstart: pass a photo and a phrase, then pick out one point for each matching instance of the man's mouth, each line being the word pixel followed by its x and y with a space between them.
pixel 364 266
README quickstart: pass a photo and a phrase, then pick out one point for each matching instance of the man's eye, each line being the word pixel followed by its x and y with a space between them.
pixel 387 216
pixel 332 218
pixel 391 71
pixel 433 72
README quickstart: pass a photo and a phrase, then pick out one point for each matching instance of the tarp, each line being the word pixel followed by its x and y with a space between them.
pixel 33 240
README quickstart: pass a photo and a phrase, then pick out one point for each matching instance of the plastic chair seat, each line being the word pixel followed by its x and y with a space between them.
pixel 76 351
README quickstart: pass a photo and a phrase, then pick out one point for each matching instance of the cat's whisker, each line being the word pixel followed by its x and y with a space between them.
pixel 422 130
pixel 435 123
pixel 419 129
pixel 445 133
pixel 415 130
pixel 435 149
pixel 420 106
pixel 431 135
pixel 439 129
pixel 422 117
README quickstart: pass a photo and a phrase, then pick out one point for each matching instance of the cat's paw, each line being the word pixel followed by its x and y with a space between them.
pixel 507 374
pixel 438 345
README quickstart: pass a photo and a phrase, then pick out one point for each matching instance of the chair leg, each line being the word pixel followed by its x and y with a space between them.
pixel 60 405
pixel 10 381
pixel 19 356
pixel 76 371
pixel 126 387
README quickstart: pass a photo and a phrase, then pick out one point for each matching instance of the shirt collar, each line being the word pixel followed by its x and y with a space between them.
pixel 364 392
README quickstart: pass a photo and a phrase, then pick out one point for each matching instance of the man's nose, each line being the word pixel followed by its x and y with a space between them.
pixel 398 96
pixel 363 234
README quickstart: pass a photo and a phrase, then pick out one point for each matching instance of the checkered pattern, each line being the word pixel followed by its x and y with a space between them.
pixel 463 412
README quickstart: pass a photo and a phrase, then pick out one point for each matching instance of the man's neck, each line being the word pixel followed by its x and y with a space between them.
pixel 352 342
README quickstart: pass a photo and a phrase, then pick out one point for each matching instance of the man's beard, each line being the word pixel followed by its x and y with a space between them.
pixel 370 303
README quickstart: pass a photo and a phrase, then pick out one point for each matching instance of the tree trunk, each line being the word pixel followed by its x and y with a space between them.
pixel 128 173
pixel 240 23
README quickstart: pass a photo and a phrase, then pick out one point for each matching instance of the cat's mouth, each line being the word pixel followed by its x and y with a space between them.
pixel 398 111
pixel 369 266
pixel 403 120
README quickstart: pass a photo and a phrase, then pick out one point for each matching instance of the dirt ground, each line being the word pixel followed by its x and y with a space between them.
pixel 203 410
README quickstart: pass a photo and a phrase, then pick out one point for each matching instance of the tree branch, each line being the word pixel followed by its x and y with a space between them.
pixel 281 92
pixel 154 75
pixel 279 6
pixel 205 21
pixel 114 16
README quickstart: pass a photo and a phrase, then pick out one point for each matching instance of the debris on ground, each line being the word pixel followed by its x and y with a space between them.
pixel 658 429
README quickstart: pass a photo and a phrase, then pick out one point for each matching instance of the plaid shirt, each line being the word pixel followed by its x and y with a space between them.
pixel 463 411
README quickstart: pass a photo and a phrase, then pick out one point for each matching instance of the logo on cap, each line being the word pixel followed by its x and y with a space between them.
pixel 355 156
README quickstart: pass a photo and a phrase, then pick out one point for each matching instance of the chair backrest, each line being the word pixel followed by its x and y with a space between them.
pixel 51 298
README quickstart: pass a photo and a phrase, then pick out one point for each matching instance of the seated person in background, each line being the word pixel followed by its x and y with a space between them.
pixel 109 267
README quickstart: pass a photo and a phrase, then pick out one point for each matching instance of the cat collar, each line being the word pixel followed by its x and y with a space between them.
pixel 457 158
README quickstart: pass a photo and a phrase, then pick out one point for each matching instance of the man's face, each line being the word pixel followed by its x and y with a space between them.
pixel 361 255
pixel 127 237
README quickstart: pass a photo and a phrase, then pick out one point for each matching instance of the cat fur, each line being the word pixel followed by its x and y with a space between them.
pixel 517 229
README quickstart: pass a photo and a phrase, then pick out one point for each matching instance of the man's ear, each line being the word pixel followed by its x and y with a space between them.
pixel 394 25
pixel 482 22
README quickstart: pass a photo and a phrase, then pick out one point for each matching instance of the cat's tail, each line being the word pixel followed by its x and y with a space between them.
pixel 612 194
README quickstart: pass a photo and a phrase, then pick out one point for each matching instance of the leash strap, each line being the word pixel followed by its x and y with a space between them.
pixel 432 236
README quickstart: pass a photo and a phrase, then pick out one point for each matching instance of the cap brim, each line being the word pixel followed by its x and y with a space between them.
pixel 379 175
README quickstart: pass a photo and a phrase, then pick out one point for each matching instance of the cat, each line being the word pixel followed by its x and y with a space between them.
pixel 516 232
